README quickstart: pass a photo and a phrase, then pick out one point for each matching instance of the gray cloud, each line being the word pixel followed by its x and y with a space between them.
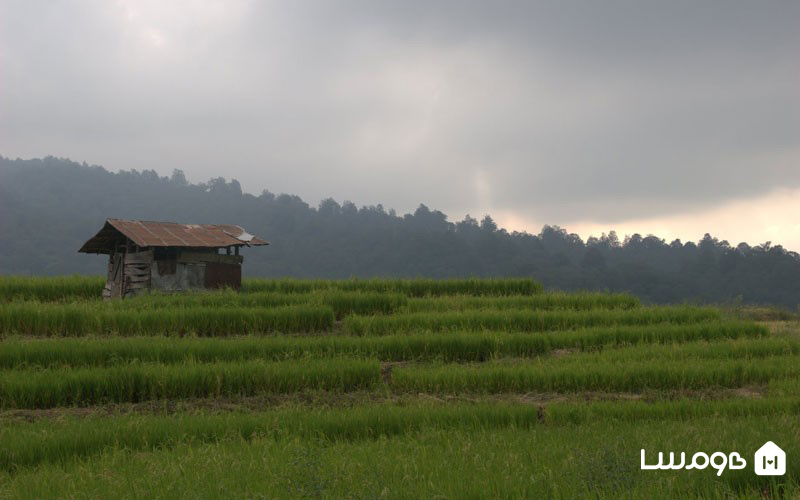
pixel 553 110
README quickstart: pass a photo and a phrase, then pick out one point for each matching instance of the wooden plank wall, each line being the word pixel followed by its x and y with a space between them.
pixel 115 276
pixel 137 272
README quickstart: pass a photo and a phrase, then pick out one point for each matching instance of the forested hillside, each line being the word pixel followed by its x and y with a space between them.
pixel 49 207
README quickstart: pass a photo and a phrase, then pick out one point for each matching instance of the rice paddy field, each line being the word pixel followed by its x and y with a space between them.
pixel 386 389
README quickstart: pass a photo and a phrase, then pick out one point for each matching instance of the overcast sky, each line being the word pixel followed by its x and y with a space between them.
pixel 670 117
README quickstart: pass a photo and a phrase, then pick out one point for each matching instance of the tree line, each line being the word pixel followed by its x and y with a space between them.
pixel 50 206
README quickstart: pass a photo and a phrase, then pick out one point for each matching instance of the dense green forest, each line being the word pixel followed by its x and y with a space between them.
pixel 50 206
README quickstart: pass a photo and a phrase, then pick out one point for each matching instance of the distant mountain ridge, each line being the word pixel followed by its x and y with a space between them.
pixel 50 206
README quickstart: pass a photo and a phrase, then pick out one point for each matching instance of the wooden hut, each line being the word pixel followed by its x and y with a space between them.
pixel 170 257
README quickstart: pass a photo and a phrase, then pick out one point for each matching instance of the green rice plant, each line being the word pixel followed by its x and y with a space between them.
pixel 83 351
pixel 789 387
pixel 530 321
pixel 142 382
pixel 739 348
pixel 594 460
pixel 342 302
pixel 590 339
pixel 543 301
pixel 419 287
pixel 346 303
pixel 599 376
pixel 53 289
pixel 422 287
pixel 682 409
pixel 66 288
pixel 214 298
pixel 27 318
pixel 285 285
pixel 63 440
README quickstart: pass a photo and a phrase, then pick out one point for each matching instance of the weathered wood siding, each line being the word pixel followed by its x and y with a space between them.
pixel 220 275
pixel 172 276
pixel 136 272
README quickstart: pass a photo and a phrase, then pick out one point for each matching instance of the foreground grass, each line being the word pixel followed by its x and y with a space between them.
pixel 62 440
pixel 599 459
pixel 69 439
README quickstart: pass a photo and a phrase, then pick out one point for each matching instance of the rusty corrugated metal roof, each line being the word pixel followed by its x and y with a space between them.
pixel 169 234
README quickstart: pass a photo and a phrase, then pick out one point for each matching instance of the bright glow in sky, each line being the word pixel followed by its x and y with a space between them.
pixel 773 217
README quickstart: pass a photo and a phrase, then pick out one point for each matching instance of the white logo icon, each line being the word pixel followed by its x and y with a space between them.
pixel 770 460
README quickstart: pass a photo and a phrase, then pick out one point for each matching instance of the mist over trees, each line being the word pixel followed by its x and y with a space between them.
pixel 50 206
